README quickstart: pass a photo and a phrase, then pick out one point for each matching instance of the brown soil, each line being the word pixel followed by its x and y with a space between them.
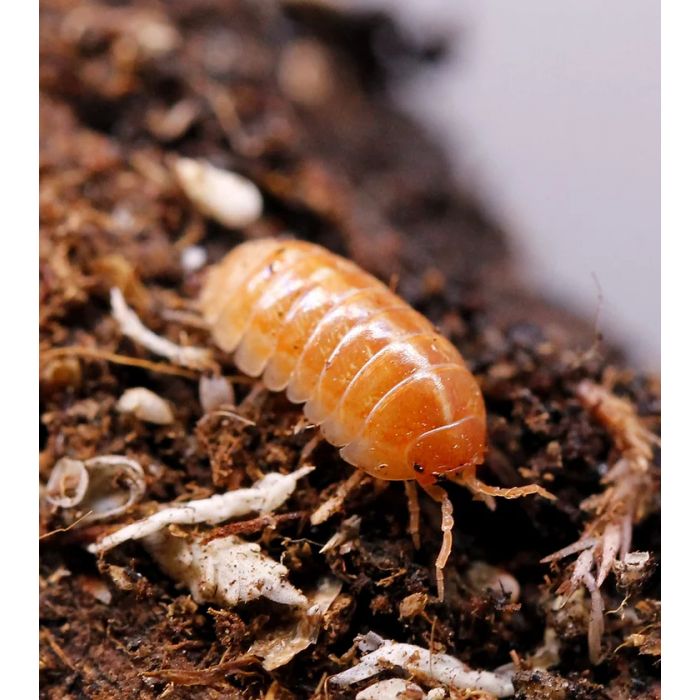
pixel 338 166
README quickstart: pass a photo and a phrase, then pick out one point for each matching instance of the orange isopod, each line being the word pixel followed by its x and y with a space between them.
pixel 374 374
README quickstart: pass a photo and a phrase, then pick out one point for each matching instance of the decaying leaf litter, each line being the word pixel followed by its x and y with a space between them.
pixel 127 91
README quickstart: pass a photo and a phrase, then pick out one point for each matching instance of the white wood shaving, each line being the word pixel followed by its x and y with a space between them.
pixel 226 571
pixel 229 198
pixel 215 392
pixel 442 668
pixel 146 406
pixel 349 530
pixel 132 327
pixel 392 689
pixel 264 496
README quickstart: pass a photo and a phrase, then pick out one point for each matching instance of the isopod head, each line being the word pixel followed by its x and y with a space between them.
pixel 447 449
pixel 410 439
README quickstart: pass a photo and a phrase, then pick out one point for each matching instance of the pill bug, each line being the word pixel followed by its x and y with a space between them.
pixel 377 378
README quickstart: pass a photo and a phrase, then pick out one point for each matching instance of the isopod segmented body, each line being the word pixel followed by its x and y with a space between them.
pixel 373 373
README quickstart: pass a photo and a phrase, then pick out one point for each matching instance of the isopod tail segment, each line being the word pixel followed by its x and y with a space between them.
pixel 465 476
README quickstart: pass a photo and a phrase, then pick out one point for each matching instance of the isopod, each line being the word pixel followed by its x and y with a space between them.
pixel 374 374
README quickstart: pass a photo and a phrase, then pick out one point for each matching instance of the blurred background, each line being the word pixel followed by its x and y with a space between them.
pixel 553 106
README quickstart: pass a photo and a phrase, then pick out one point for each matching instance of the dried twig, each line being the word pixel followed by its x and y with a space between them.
pixel 117 359
pixel 131 326
pixel 626 500
pixel 265 495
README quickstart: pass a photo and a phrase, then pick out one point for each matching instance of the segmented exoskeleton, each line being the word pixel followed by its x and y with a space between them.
pixel 374 374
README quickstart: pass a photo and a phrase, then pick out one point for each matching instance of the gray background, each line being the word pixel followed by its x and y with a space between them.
pixel 553 105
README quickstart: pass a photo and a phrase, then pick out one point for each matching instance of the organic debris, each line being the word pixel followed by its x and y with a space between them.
pixel 647 615
pixel 381 654
pixel 127 89
pixel 193 258
pixel 391 689
pixel 264 496
pixel 549 686
pixel 605 542
pixel 226 571
pixel 227 197
pixel 131 326
pixel 283 644
pixel 485 578
pixel 215 392
pixel 146 406
pixel 97 489
pixel 348 530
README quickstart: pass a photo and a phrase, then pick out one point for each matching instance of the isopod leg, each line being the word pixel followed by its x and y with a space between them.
pixel 413 512
pixel 446 526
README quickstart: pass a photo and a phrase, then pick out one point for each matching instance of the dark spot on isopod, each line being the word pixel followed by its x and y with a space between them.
pixel 419 468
